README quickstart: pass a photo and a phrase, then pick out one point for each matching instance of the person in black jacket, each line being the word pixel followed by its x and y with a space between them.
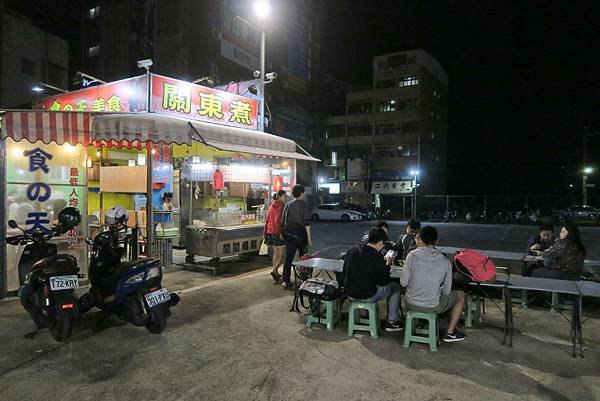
pixel 368 276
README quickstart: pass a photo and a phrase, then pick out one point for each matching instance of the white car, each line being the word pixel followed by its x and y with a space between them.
pixel 335 212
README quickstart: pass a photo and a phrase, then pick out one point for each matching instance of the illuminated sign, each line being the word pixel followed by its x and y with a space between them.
pixel 183 99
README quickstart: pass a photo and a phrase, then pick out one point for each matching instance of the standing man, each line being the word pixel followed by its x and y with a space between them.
pixel 296 231
pixel 427 277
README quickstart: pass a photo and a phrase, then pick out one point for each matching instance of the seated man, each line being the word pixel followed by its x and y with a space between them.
pixel 380 224
pixel 540 242
pixel 427 277
pixel 368 277
pixel 407 242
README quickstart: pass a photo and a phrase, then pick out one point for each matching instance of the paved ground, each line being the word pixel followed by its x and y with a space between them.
pixel 233 338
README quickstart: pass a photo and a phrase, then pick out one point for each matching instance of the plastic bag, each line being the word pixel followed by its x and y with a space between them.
pixel 264 249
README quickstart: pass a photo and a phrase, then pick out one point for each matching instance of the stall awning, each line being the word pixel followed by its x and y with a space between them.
pixel 157 128
pixel 47 126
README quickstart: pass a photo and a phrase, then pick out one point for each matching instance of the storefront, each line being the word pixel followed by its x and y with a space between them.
pixel 100 146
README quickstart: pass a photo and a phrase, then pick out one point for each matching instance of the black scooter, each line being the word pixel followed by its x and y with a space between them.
pixel 131 290
pixel 48 280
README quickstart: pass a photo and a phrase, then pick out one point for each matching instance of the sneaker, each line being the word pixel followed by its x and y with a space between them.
pixel 454 337
pixel 286 285
pixel 393 326
pixel 275 276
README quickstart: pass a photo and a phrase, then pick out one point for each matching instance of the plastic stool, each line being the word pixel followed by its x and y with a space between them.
pixel 558 304
pixel 431 337
pixel 356 323
pixel 332 315
pixel 472 310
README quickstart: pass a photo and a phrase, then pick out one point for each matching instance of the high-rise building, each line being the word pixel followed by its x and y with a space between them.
pixel 216 39
pixel 29 57
pixel 390 132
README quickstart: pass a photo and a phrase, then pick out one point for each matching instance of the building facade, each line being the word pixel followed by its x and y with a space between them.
pixel 389 133
pixel 29 56
pixel 216 39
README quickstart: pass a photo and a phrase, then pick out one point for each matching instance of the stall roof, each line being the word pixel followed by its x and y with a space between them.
pixel 83 127
pixel 47 126
pixel 156 127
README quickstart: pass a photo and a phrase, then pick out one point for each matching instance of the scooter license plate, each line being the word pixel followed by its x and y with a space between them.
pixel 58 283
pixel 158 297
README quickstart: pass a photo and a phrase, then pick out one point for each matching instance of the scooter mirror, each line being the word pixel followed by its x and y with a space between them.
pixel 89 241
pixel 13 224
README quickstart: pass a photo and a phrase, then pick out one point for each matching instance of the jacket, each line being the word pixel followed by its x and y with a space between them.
pixel 364 270
pixel 565 256
pixel 427 274
pixel 273 220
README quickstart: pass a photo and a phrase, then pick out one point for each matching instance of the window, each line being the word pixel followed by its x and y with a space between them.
pixel 408 128
pixel 360 107
pixel 27 66
pixel 408 150
pixel 388 83
pixel 385 151
pixel 93 12
pixel 385 106
pixel 408 81
pixel 411 60
pixel 397 60
pixel 333 158
pixel 381 65
pixel 334 131
pixel 93 51
pixel 432 135
pixel 57 75
pixel 383 129
pixel 408 104
pixel 359 130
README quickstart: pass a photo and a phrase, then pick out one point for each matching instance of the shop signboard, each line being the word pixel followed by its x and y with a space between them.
pixel 42 179
pixel 392 187
pixel 127 95
pixel 183 99
pixel 353 187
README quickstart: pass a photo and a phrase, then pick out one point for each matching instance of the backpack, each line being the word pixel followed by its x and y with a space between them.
pixel 474 267
pixel 317 290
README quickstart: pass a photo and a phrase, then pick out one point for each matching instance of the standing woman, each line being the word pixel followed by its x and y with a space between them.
pixel 273 231
pixel 564 259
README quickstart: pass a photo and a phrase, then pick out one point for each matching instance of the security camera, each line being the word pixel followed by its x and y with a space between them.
pixel 271 76
pixel 147 63
pixel 256 74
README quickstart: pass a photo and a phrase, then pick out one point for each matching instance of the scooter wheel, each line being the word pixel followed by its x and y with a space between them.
pixel 156 324
pixel 61 329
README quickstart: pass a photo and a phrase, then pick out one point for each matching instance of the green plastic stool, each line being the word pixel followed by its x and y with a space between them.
pixel 332 315
pixel 357 323
pixel 560 304
pixel 431 335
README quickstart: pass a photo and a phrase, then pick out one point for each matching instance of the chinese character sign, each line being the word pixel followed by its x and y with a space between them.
pixel 183 99
pixel 42 179
pixel 127 95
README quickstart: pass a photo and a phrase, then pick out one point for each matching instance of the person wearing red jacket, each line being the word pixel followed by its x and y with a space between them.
pixel 273 231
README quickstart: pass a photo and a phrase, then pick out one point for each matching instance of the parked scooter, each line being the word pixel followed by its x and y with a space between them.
pixel 131 290
pixel 48 279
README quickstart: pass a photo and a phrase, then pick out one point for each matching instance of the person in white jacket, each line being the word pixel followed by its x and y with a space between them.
pixel 427 277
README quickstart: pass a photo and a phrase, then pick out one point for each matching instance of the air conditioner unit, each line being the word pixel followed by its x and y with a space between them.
pixel 217 34
pixel 284 84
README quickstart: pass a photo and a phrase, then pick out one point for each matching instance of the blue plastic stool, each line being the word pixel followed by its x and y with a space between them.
pixel 371 324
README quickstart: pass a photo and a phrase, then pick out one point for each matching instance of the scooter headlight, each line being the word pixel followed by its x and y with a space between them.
pixel 154 272
pixel 135 279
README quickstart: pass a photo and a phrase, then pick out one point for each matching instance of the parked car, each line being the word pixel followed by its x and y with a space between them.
pixel 368 214
pixel 578 213
pixel 335 211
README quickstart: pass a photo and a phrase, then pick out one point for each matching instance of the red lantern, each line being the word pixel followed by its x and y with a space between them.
pixel 277 183
pixel 218 180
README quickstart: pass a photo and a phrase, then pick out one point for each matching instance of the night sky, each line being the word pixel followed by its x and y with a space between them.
pixel 523 81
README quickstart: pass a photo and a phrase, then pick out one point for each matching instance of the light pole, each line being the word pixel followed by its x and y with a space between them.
pixel 415 174
pixel 586 172
pixel 262 10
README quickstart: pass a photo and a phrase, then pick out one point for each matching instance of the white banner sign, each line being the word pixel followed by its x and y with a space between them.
pixel 392 187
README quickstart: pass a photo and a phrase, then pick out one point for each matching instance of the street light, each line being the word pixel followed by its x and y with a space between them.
pixel 262 10
pixel 415 173
pixel 586 171
pixel 41 87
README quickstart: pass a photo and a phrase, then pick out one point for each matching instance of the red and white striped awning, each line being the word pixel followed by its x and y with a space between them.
pixel 47 126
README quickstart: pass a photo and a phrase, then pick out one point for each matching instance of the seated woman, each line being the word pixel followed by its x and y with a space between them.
pixel 564 259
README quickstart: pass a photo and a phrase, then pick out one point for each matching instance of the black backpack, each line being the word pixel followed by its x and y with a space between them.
pixel 317 290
